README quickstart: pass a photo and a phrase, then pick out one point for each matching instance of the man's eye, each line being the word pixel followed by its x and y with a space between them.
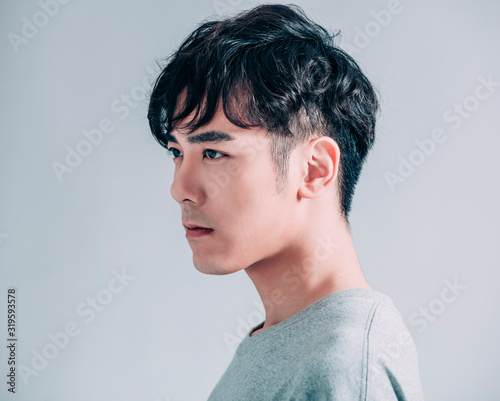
pixel 172 151
pixel 211 151
pixel 211 154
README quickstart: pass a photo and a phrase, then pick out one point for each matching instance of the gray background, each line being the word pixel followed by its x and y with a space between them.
pixel 165 336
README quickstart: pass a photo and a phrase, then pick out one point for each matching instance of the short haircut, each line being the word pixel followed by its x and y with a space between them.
pixel 273 68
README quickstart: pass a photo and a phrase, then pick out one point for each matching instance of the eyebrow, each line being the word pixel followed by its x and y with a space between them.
pixel 209 136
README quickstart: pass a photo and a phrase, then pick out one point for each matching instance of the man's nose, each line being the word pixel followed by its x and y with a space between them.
pixel 187 183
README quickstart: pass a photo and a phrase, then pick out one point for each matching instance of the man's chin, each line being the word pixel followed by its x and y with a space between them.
pixel 212 269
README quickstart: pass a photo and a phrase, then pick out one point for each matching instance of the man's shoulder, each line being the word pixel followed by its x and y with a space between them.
pixel 356 330
pixel 347 322
pixel 370 353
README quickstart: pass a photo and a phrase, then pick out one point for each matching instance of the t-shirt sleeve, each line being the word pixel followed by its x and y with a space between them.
pixel 392 371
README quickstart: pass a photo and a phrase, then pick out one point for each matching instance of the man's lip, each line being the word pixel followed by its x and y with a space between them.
pixel 191 226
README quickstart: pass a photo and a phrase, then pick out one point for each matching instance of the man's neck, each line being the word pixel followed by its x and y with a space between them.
pixel 304 273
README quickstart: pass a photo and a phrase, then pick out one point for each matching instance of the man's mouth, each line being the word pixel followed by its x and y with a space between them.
pixel 195 232
pixel 195 227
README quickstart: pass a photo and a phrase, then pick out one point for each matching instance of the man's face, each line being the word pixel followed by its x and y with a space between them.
pixel 230 187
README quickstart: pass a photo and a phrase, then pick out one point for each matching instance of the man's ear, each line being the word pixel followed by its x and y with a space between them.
pixel 321 164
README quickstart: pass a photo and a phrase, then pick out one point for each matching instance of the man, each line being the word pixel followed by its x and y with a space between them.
pixel 269 123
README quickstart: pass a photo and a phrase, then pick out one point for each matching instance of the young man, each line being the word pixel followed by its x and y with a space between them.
pixel 269 123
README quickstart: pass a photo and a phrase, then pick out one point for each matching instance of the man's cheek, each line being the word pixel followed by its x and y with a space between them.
pixel 233 167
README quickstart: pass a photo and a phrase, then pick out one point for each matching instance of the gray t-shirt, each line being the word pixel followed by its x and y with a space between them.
pixel 349 345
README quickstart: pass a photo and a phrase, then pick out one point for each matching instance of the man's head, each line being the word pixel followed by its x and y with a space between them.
pixel 276 78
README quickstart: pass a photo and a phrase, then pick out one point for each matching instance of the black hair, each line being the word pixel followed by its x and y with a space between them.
pixel 274 68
